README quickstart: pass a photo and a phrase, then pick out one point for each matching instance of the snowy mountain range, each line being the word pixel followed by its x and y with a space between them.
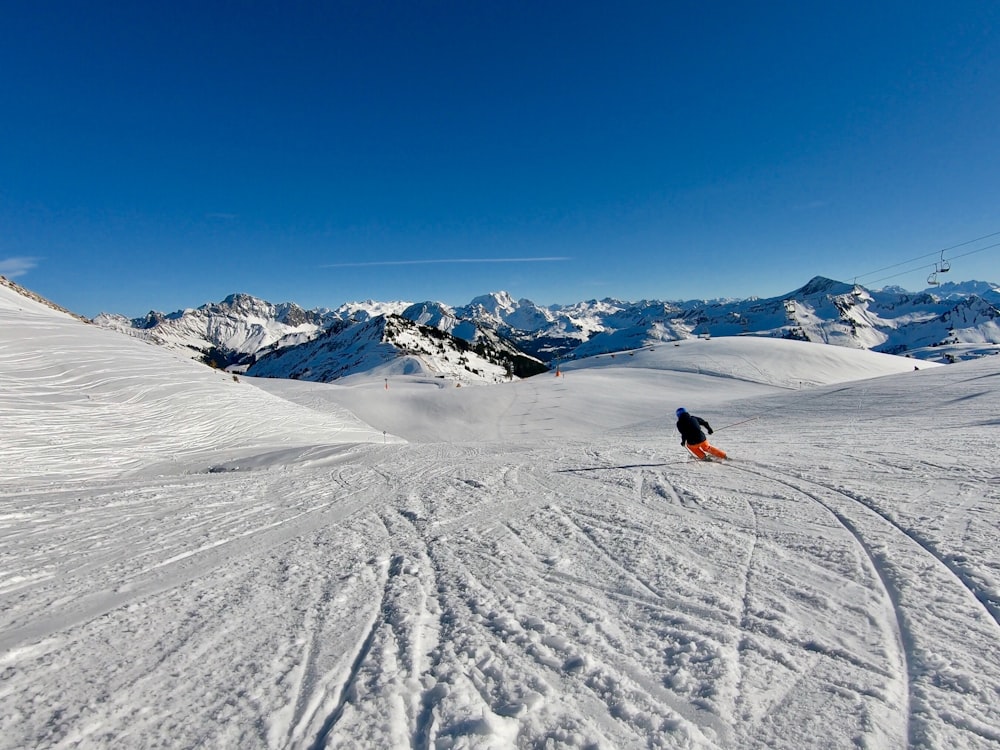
pixel 495 336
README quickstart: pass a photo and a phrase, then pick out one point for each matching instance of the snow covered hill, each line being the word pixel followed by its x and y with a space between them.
pixel 391 345
pixel 189 560
pixel 647 384
pixel 68 384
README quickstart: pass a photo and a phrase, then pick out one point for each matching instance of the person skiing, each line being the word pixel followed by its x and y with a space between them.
pixel 689 426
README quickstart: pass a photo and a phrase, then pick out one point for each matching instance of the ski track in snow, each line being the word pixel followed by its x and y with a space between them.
pixel 886 556
pixel 541 567
pixel 435 612
pixel 898 623
pixel 747 737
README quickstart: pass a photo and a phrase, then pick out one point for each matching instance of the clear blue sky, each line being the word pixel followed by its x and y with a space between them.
pixel 164 155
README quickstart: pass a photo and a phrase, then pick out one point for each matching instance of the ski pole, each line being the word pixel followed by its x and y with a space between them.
pixel 734 424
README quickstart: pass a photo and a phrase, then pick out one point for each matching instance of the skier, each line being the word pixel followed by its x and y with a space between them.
pixel 689 426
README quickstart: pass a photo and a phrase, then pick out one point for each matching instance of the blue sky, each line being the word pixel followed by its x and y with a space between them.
pixel 164 155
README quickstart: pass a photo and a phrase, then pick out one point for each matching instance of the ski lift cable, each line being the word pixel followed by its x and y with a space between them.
pixel 932 265
pixel 973 252
pixel 940 253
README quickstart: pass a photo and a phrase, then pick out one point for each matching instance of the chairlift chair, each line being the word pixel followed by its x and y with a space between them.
pixel 932 279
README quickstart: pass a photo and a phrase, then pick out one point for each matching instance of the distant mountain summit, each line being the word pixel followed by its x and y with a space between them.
pixel 821 285
pixel 989 292
pixel 496 336
pixel 225 333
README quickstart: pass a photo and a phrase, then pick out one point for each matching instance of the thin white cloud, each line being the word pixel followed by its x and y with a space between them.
pixel 428 261
pixel 17 266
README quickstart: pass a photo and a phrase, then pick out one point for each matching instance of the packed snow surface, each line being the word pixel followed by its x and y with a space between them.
pixel 193 560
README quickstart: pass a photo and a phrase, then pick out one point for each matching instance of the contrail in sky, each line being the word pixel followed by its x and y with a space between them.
pixel 444 260
pixel 14 267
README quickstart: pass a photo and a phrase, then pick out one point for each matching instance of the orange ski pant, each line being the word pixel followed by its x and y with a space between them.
pixel 701 449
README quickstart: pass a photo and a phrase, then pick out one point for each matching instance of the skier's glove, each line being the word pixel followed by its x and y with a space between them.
pixel 683 441
pixel 710 430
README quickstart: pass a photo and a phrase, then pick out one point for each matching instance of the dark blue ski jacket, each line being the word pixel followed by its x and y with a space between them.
pixel 689 426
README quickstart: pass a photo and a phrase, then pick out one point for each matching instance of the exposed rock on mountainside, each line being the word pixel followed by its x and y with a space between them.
pixel 392 344
pixel 4 281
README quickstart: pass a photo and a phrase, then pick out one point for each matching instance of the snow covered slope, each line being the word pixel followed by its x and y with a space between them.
pixel 784 362
pixel 541 566
pixel 599 393
pixel 68 384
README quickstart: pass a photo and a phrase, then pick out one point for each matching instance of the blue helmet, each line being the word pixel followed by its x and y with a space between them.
pixel 681 411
